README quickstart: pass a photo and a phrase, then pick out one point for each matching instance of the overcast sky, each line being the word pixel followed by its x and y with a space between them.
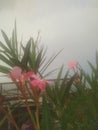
pixel 68 24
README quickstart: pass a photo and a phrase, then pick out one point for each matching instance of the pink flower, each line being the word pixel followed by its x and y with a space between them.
pixel 30 74
pixel 39 83
pixel 72 64
pixel 15 74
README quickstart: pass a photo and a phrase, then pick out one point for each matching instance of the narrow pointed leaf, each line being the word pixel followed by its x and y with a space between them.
pixel 6 39
pixel 24 60
pixel 49 62
pixel 4 48
pixel 5 60
pixel 4 69
pixel 46 116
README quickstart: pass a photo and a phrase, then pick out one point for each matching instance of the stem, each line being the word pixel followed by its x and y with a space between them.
pixel 26 103
pixel 37 113
pixel 10 117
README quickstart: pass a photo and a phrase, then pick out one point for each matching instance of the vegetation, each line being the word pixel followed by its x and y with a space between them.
pixel 69 103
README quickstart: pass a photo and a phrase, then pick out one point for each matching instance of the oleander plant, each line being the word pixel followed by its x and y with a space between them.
pixel 68 102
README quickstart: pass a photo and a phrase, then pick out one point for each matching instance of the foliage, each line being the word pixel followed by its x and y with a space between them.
pixel 69 103
pixel 29 58
pixel 25 65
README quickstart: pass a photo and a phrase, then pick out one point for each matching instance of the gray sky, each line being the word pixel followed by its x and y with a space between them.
pixel 68 24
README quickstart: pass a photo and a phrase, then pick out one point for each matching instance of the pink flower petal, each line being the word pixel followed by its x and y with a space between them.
pixel 41 84
pixel 30 75
pixel 35 83
pixel 15 73
pixel 72 64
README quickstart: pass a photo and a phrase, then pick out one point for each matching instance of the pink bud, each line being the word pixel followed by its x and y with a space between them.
pixel 72 64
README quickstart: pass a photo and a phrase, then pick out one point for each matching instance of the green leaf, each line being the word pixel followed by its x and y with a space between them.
pixel 26 55
pixel 92 67
pixel 4 69
pixel 14 40
pixel 46 116
pixel 50 72
pixel 6 39
pixel 63 87
pixel 16 62
pixel 46 65
pixel 5 48
pixel 5 60
pixel 58 79
pixel 38 59
pixel 97 60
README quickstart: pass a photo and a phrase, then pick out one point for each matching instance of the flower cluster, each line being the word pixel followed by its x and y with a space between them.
pixel 21 77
